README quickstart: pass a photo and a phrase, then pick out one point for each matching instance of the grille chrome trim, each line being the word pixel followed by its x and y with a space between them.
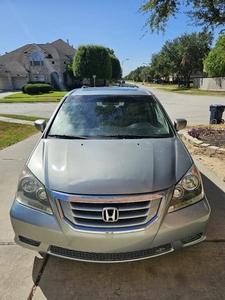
pixel 112 199
pixel 133 216
pixel 107 199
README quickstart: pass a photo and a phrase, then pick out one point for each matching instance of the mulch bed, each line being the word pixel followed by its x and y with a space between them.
pixel 214 137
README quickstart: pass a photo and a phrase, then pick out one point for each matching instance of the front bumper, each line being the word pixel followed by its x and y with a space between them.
pixel 48 234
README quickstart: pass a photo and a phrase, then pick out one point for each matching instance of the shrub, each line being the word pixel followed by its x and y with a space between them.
pixel 23 88
pixel 45 88
pixel 33 89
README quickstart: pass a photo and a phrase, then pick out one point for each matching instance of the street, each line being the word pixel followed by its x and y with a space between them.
pixel 195 272
pixel 193 108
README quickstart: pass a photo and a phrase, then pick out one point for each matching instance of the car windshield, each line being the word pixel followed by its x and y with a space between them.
pixel 110 116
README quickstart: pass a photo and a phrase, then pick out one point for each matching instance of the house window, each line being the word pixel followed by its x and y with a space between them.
pixel 38 77
pixel 36 59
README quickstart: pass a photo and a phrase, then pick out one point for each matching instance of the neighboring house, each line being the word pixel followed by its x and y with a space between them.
pixel 35 63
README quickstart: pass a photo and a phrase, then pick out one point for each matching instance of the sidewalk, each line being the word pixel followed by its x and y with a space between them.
pixel 11 120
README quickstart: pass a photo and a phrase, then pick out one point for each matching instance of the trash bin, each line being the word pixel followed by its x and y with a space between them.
pixel 216 114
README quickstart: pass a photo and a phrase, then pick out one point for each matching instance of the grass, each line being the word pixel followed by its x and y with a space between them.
pixel 11 133
pixel 21 117
pixel 183 90
pixel 20 97
pixel 192 91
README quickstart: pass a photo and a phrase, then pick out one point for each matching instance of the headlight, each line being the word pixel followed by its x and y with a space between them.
pixel 31 192
pixel 188 190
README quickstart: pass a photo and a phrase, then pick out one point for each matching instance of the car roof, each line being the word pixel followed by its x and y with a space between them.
pixel 110 91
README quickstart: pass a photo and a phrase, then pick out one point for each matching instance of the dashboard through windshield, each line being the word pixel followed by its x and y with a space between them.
pixel 110 116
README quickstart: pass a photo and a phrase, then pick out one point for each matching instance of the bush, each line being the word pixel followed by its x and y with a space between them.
pixel 33 89
pixel 23 88
pixel 45 88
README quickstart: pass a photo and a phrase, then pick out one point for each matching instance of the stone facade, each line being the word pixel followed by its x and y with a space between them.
pixel 36 63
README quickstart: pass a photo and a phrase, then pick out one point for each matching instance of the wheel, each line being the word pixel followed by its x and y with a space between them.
pixel 222 121
pixel 214 121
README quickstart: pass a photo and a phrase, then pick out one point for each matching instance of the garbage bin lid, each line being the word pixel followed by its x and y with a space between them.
pixel 217 105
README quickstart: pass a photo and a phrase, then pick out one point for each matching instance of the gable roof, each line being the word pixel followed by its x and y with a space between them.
pixel 15 55
pixel 63 47
pixel 15 68
pixel 58 50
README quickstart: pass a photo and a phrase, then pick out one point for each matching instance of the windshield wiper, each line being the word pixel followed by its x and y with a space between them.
pixel 67 137
pixel 120 136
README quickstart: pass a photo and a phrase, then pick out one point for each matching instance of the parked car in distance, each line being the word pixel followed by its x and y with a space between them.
pixel 122 83
pixel 109 181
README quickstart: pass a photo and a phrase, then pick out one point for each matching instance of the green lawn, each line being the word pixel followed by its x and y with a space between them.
pixel 20 97
pixel 183 90
pixel 21 117
pixel 11 133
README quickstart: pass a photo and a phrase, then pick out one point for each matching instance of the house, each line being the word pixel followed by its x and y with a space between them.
pixel 36 63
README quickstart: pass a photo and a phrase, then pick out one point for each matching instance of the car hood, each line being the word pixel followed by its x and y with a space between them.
pixel 109 166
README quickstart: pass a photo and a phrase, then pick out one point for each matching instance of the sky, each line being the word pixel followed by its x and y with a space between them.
pixel 114 24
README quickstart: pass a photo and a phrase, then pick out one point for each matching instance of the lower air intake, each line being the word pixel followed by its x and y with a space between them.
pixel 29 241
pixel 101 257
pixel 192 238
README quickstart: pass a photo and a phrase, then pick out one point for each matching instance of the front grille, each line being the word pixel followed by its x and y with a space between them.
pixel 113 257
pixel 29 241
pixel 128 214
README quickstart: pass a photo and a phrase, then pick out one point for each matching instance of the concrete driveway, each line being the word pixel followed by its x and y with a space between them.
pixel 197 272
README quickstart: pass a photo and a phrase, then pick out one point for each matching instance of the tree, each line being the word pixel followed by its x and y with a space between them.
pixel 182 56
pixel 111 51
pixel 204 13
pixel 145 73
pixel 137 74
pixel 92 60
pixel 116 68
pixel 192 50
pixel 215 62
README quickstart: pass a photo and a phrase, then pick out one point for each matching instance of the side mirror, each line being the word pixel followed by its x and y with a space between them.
pixel 40 125
pixel 180 124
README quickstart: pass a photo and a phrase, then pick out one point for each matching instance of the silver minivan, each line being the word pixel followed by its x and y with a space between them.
pixel 109 181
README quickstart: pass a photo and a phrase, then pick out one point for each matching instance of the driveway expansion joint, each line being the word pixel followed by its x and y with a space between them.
pixel 8 244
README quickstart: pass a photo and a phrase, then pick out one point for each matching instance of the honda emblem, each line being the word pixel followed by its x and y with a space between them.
pixel 110 214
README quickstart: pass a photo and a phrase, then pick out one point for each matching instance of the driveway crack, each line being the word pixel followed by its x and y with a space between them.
pixel 30 297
